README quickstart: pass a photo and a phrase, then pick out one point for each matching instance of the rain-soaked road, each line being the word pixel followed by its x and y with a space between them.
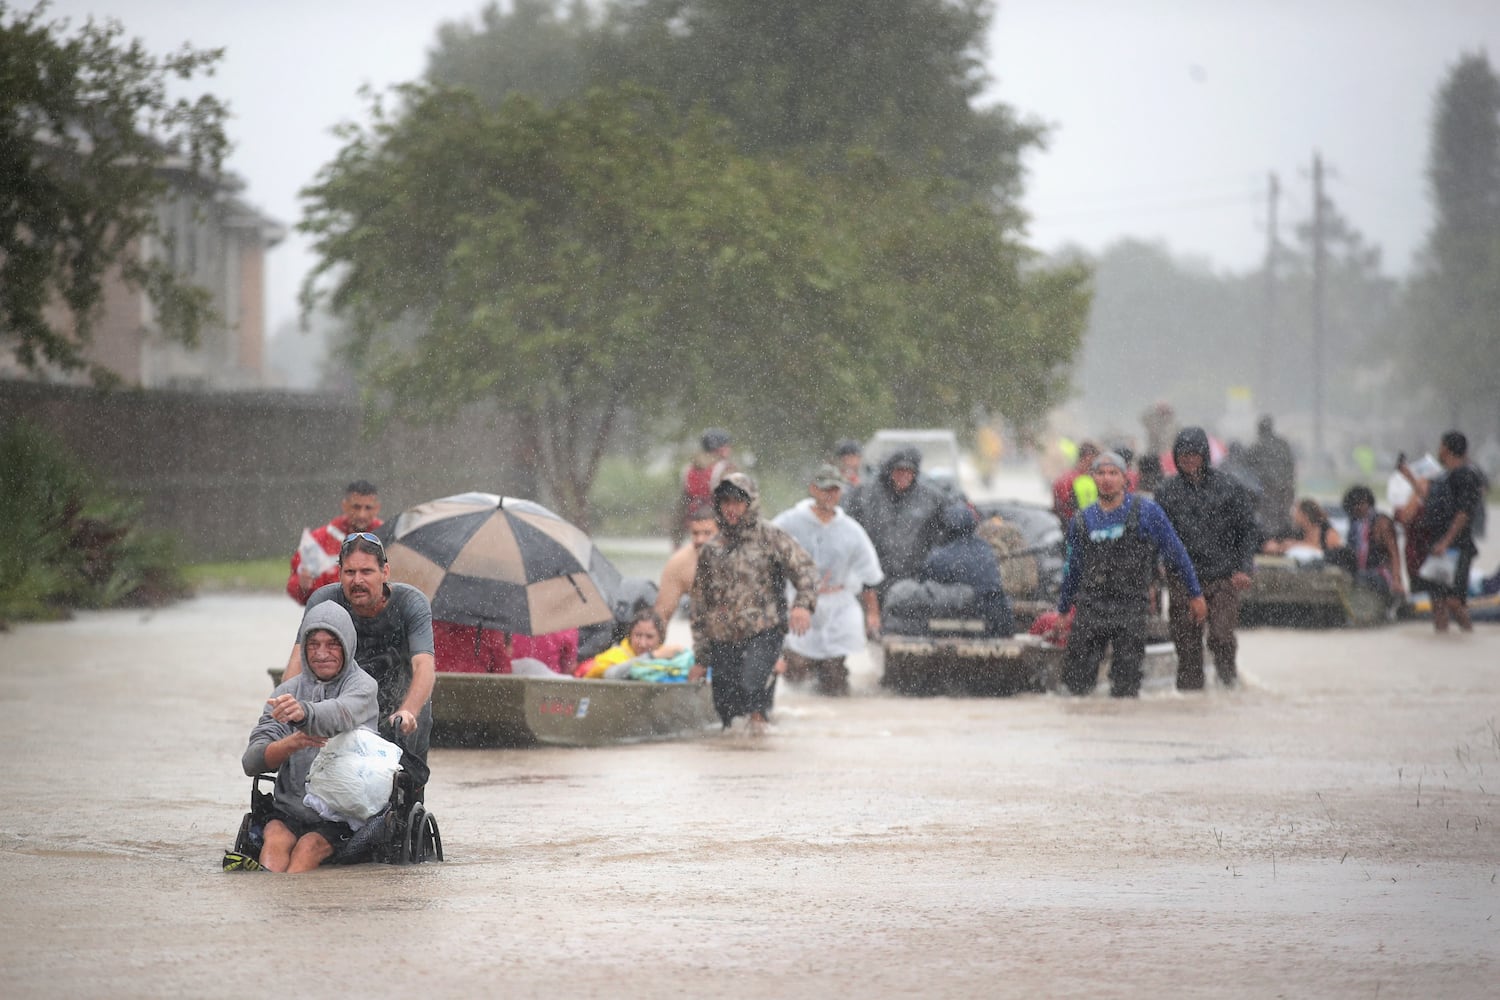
pixel 1332 829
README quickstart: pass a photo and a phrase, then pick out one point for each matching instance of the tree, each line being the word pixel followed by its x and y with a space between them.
pixel 87 129
pixel 899 77
pixel 541 48
pixel 568 262
pixel 1454 300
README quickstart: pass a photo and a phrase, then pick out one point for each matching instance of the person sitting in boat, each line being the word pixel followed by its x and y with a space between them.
pixel 965 558
pixel 557 651
pixel 332 695
pixel 647 632
pixel 1376 556
pixel 1315 535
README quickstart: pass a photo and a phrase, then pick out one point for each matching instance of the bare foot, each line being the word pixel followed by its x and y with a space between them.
pixel 758 725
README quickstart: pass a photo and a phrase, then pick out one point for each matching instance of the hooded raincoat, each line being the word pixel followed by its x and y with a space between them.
pixel 1214 517
pixel 346 701
pixel 740 587
pixel 904 525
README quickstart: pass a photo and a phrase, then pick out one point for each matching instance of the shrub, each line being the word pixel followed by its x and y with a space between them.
pixel 66 542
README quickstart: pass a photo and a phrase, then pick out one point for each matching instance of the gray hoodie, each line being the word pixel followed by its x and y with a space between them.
pixel 347 701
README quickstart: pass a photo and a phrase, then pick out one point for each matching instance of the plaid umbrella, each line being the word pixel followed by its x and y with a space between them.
pixel 502 563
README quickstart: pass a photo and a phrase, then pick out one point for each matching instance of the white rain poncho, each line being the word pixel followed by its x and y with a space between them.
pixel 847 563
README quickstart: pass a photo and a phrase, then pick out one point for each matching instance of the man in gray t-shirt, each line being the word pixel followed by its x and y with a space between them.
pixel 394 626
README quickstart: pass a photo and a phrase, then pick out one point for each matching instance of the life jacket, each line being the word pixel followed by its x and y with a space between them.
pixel 1116 570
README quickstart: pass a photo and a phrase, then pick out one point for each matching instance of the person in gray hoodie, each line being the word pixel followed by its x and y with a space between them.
pixel 330 696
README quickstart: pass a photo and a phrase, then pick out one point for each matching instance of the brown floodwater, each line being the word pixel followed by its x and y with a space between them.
pixel 1331 829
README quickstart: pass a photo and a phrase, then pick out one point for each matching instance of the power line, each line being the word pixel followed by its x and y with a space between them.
pixel 1135 208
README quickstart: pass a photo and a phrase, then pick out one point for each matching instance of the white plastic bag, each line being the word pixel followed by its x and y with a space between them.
pixel 1440 568
pixel 352 775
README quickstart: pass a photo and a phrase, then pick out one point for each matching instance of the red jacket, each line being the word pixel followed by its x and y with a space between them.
pixel 331 538
pixel 467 649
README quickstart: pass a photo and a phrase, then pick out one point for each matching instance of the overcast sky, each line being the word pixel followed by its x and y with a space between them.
pixel 1168 115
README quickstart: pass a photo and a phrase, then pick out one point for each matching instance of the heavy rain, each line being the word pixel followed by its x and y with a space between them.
pixel 929 497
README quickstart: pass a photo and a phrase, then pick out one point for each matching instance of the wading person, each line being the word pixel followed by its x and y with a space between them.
pixel 1271 459
pixel 393 622
pixel 1113 547
pixel 902 515
pixel 1075 489
pixel 739 604
pixel 359 511
pixel 1375 554
pixel 847 455
pixel 682 565
pixel 703 472
pixel 847 570
pixel 1215 518
pixel 330 695
pixel 1452 505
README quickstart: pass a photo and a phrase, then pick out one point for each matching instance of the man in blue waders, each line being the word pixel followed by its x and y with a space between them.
pixel 1113 546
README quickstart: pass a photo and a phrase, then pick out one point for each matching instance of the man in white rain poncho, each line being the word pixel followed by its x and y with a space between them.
pixel 848 609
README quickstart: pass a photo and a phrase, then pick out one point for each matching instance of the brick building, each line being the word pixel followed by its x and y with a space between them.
pixel 219 243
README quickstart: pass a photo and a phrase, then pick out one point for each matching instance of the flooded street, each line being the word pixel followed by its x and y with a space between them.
pixel 1331 829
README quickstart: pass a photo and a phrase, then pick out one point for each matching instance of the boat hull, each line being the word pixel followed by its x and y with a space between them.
pixel 970 667
pixel 1308 597
pixel 487 710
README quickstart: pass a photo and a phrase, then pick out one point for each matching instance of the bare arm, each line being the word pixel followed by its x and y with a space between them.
pixel 279 751
pixel 423 672
pixel 673 585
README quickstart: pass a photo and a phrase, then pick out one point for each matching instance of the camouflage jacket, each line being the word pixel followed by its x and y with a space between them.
pixel 739 589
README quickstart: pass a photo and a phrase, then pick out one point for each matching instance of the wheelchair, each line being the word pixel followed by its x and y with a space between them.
pixel 402 833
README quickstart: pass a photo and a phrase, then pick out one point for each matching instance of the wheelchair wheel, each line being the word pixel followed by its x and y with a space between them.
pixel 246 842
pixel 432 840
pixel 415 843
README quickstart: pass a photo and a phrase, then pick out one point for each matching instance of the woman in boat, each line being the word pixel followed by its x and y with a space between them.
pixel 1314 532
pixel 647 630
pixel 1376 556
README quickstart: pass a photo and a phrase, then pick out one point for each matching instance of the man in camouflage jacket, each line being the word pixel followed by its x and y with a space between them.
pixel 740 612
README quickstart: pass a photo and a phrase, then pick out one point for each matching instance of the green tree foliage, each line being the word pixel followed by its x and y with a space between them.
pixel 1455 298
pixel 539 48
pixel 67 542
pixel 87 129
pixel 607 253
pixel 809 80
pixel 813 80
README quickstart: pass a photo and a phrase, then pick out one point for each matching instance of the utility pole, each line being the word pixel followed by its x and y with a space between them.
pixel 1268 347
pixel 1318 267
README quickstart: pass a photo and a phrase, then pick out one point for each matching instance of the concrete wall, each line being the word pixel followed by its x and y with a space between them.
pixel 238 475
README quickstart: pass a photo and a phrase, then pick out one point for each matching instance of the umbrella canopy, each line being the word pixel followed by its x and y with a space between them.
pixel 503 563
